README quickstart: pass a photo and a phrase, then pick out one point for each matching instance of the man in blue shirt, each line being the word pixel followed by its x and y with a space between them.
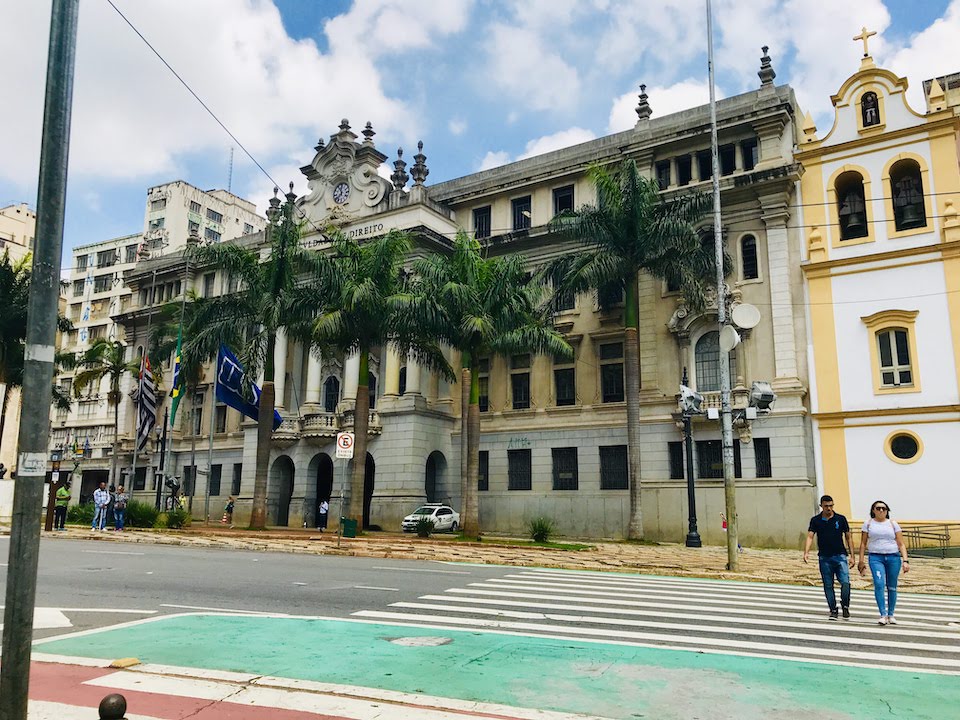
pixel 101 499
pixel 831 529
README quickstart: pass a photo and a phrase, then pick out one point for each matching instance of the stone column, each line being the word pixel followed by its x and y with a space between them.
pixel 413 375
pixel 391 372
pixel 351 376
pixel 312 392
pixel 280 366
pixel 694 168
pixel 738 156
pixel 775 216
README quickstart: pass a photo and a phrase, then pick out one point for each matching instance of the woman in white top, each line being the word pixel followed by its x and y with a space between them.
pixel 882 538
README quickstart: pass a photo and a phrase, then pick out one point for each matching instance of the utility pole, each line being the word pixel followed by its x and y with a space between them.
pixel 726 416
pixel 38 366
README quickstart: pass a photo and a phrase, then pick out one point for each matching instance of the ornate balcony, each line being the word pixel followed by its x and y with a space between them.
pixel 288 433
pixel 373 428
pixel 320 425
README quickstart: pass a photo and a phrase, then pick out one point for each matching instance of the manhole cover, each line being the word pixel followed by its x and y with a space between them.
pixel 420 641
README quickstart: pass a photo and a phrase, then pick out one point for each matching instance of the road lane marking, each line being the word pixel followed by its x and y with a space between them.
pixel 213 609
pixel 406 570
pixel 111 552
pixel 374 587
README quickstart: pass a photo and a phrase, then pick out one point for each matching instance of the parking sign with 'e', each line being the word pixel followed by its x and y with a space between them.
pixel 345 445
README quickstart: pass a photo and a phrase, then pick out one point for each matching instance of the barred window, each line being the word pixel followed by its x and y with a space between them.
pixel 521 213
pixel 613 468
pixel 519 473
pixel 220 421
pixel 565 475
pixel 483 384
pixel 483 476
pixel 215 472
pixel 611 372
pixel 675 449
pixel 214 216
pixel 520 382
pixel 195 206
pixel 481 222
pixel 563 199
pixel 566 386
pixel 237 475
pixel 710 459
pixel 748 258
pixel 761 453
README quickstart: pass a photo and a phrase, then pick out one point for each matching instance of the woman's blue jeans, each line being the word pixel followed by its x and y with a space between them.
pixel 885 570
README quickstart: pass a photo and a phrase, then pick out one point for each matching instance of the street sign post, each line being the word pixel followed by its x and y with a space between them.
pixel 345 453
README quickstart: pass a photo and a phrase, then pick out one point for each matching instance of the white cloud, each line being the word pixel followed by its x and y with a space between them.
pixel 457 126
pixel 523 67
pixel 556 141
pixel 494 159
pixel 663 101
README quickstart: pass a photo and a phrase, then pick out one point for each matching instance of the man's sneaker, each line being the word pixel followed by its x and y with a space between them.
pixel 883 620
pixel 834 614
pixel 846 613
pixel 891 620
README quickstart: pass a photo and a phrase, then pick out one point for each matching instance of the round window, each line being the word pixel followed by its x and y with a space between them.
pixel 904 447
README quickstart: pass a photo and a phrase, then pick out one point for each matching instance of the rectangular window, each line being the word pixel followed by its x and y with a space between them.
pixel 728 159
pixel 610 296
pixel 193 227
pixel 675 450
pixel 663 174
pixel 247 229
pixel 78 288
pixel 483 381
pixel 705 164
pixel 710 459
pixel 684 170
pixel 215 472
pixel 613 468
pixel 130 254
pixel 198 414
pixel 483 476
pixel 749 149
pixel 521 213
pixel 611 372
pixel 520 388
pixel 565 383
pixel 81 263
pixel 106 258
pixel 98 331
pixel 481 222
pixel 214 216
pixel 208 283
pixel 563 199
pixel 195 206
pixel 155 224
pixel 102 283
pixel 237 476
pixel 761 454
pixel 565 475
pixel 220 421
pixel 158 204
pixel 519 474
pixel 895 368
pixel 189 476
pixel 140 479
pixel 211 235
pixel 565 300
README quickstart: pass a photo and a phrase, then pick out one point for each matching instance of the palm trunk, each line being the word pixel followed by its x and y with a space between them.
pixel 471 517
pixel 116 444
pixel 193 453
pixel 3 411
pixel 361 422
pixel 631 353
pixel 464 445
pixel 266 407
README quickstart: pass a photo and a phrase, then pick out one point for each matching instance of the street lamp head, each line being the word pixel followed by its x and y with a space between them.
pixel 691 402
pixel 762 396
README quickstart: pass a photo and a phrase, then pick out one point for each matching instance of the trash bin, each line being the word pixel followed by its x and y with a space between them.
pixel 349 527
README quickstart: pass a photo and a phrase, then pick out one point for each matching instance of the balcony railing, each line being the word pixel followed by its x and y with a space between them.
pixel 288 432
pixel 739 399
pixel 320 425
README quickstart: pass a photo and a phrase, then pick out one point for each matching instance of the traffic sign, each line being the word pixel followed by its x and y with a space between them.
pixel 345 445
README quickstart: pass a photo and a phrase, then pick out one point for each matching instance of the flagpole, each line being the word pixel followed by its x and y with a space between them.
pixel 183 309
pixel 136 425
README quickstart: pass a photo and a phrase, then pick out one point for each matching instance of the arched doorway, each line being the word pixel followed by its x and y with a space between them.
pixel 435 476
pixel 369 473
pixel 320 486
pixel 280 491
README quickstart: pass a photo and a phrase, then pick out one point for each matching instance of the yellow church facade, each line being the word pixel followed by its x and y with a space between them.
pixel 880 195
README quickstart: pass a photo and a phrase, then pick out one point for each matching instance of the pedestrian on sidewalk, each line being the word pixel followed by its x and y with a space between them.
pixel 111 519
pixel 120 509
pixel 101 499
pixel 227 518
pixel 882 538
pixel 60 506
pixel 834 554
pixel 322 513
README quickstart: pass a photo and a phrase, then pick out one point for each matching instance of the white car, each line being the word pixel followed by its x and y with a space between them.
pixel 444 517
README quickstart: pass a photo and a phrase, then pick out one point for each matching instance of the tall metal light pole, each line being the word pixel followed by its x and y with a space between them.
pixel 726 416
pixel 693 535
pixel 38 366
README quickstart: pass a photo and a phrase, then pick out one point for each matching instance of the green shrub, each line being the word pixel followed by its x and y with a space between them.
pixel 424 527
pixel 141 514
pixel 80 514
pixel 174 519
pixel 541 529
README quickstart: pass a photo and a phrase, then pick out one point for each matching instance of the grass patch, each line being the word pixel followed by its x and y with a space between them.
pixel 488 540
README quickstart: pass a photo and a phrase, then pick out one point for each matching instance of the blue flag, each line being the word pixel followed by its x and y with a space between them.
pixel 230 388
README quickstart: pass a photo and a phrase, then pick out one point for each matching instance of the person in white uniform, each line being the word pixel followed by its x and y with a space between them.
pixel 882 539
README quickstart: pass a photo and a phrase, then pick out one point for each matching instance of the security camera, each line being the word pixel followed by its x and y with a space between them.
pixel 691 401
pixel 762 396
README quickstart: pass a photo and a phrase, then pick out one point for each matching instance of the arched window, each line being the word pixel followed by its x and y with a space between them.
pixel 331 394
pixel 748 257
pixel 403 380
pixel 851 206
pixel 894 351
pixel 870 109
pixel 372 386
pixel 906 189
pixel 707 363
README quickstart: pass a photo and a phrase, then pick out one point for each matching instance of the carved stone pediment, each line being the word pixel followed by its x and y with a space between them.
pixel 342 179
pixel 685 318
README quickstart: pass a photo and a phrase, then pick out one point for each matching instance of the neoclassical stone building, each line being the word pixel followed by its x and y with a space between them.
pixel 553 435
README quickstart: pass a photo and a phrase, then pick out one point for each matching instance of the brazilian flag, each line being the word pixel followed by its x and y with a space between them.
pixel 175 390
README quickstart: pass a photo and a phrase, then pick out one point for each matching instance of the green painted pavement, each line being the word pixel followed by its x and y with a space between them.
pixel 617 681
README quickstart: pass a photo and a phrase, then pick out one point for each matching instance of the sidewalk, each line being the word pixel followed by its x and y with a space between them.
pixel 927 575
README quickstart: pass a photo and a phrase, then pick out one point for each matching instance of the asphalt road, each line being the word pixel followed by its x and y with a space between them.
pixel 92 580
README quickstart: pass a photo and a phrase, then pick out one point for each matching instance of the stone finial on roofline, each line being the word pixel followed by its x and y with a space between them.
pixel 644 111
pixel 368 133
pixel 419 169
pixel 399 176
pixel 767 73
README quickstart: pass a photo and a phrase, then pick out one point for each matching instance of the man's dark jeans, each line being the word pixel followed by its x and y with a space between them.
pixel 835 566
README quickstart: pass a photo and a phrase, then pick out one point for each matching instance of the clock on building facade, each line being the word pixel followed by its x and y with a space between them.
pixel 340 193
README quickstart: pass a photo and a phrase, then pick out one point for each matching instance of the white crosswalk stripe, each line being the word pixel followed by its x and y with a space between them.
pixel 737 618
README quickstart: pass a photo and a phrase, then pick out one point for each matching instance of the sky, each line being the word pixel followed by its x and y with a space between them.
pixel 480 82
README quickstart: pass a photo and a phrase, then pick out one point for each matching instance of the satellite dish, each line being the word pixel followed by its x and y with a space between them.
pixel 745 316
pixel 729 338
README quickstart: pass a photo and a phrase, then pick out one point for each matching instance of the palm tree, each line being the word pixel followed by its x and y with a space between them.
pixel 366 306
pixel 249 319
pixel 106 359
pixel 633 229
pixel 482 306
